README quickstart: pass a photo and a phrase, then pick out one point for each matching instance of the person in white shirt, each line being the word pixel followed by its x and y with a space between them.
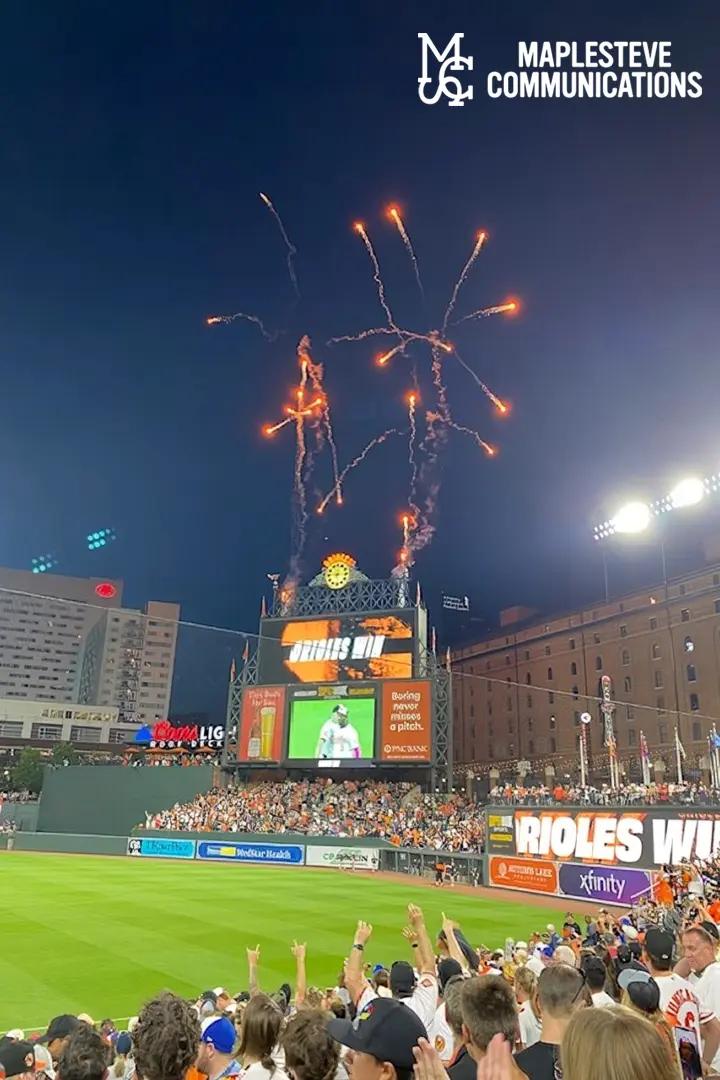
pixel 441 1034
pixel 338 738
pixel 596 977
pixel 703 974
pixel 418 992
pixel 525 990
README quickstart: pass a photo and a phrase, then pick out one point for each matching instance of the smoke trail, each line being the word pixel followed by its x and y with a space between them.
pixel 395 216
pixel 360 230
pixel 357 461
pixel 499 405
pixel 271 335
pixel 292 250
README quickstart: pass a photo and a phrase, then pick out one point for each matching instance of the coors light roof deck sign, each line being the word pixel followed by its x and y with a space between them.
pixel 648 839
pixel 341 648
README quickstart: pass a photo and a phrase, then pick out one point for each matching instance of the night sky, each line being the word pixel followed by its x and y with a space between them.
pixel 135 140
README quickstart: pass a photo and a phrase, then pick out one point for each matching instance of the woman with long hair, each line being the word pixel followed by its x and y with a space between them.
pixel 615 1044
pixel 261 1025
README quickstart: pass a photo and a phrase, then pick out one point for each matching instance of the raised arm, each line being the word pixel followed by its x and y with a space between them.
pixel 298 952
pixel 355 979
pixel 426 956
pixel 454 949
pixel 253 956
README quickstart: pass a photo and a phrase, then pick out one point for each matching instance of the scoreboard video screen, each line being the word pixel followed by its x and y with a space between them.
pixel 339 648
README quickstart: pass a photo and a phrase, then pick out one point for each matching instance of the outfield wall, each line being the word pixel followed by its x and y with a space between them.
pixel 111 800
pixel 608 854
pixel 24 815
pixel 288 849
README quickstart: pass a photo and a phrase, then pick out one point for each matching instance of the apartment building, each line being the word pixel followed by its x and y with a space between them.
pixel 128 662
pixel 44 621
pixel 520 694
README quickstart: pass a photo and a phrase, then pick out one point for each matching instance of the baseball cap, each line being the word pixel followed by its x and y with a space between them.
pixel 219 1032
pixel 711 929
pixel 642 989
pixel 402 978
pixel 220 991
pixel 16 1057
pixel 341 710
pixel 209 995
pixel 386 1029
pixel 123 1043
pixel 59 1028
pixel 659 944
pixel 446 969
pixel 43 1060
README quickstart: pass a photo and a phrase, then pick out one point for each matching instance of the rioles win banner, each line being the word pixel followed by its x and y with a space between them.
pixel 645 838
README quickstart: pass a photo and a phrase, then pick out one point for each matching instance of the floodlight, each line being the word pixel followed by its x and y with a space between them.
pixel 634 517
pixel 688 492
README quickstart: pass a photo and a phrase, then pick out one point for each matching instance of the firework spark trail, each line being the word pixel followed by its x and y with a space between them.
pixel 499 405
pixel 360 230
pixel 271 335
pixel 481 238
pixel 357 461
pixel 489 450
pixel 292 250
pixel 363 335
pixel 315 373
pixel 431 446
pixel 412 400
pixel 443 407
pixel 395 217
pixel 483 313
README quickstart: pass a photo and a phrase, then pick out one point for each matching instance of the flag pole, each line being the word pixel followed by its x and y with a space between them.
pixel 678 757
pixel 582 758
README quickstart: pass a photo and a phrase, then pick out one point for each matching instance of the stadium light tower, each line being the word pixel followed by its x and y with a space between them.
pixel 635 518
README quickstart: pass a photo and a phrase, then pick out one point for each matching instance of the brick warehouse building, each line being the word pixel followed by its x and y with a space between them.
pixel 518 696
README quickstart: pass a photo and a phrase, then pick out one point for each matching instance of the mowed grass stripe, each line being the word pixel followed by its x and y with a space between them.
pixel 102 935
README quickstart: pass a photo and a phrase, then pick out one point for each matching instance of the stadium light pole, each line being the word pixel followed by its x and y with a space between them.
pixel 635 519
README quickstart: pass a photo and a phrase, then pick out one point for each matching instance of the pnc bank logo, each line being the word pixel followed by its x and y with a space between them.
pixel 450 59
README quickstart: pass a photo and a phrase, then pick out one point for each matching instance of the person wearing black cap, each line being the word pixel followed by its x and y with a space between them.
pixel 16 1058
pixel 382 1040
pixel 57 1034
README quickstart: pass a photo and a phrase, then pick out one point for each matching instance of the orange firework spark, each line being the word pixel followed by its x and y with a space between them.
pixel 394 215
pixel 361 231
pixel 500 405
pixel 483 313
pixel 271 335
pixel 489 450
pixel 292 250
pixel 357 461
pixel 481 238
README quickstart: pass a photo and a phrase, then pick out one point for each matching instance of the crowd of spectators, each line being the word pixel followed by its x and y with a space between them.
pixel 631 997
pixel 685 794
pixel 395 812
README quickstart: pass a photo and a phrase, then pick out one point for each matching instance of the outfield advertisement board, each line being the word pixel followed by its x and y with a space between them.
pixel 231 851
pixel 358 858
pixel 152 847
pixel 577 881
pixel 639 838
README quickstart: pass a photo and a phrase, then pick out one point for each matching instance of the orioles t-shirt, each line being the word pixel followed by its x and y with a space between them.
pixel 681 1004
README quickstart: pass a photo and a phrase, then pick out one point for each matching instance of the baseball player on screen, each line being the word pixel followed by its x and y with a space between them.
pixel 338 738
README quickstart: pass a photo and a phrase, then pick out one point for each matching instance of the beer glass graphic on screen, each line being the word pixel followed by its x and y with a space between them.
pixel 267 728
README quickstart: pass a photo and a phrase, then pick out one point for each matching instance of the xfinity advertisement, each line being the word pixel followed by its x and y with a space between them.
pixel 647 839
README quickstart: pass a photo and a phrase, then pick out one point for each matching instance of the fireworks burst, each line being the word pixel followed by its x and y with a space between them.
pixel 313 416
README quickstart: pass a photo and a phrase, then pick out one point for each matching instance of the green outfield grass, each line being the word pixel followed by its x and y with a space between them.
pixel 101 935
